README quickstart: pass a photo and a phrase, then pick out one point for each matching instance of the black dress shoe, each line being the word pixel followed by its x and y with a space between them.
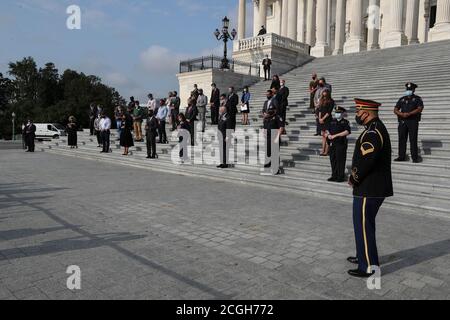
pixel 268 165
pixel 332 179
pixel 359 274
pixel 417 161
pixel 220 166
pixel 400 160
pixel 353 260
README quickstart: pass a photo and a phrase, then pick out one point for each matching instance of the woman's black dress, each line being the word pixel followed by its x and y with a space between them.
pixel 126 138
pixel 72 138
pixel 326 108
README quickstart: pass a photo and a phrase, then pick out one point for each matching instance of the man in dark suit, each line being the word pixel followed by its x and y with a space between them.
pixel 224 127
pixel 93 114
pixel 232 103
pixel 262 31
pixel 30 135
pixel 284 102
pixel 267 65
pixel 272 121
pixel 215 104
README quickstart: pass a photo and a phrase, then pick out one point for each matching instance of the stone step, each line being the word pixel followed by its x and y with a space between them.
pixel 406 201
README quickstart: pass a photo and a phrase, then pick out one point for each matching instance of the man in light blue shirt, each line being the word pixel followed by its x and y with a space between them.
pixel 163 113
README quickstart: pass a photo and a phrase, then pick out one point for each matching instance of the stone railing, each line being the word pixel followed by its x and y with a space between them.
pixel 270 39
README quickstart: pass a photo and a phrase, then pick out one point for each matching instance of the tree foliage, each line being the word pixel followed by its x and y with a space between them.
pixel 46 96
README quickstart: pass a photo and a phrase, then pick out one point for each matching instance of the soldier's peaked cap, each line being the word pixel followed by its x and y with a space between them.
pixel 369 105
pixel 340 109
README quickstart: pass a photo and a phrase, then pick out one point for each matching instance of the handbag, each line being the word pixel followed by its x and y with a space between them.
pixel 244 107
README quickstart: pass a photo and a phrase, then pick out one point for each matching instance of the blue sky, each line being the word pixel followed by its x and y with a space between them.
pixel 134 46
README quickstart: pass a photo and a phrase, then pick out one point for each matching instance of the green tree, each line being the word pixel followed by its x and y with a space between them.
pixel 46 96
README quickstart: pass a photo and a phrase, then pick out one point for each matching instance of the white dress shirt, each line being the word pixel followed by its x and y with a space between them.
pixel 105 124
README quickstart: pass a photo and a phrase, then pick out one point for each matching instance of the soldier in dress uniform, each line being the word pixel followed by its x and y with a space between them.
pixel 371 180
pixel 409 112
pixel 338 131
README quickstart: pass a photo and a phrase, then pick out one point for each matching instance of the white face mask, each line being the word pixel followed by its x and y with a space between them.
pixel 338 116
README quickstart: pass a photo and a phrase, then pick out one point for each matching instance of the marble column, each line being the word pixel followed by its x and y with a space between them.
pixel 373 25
pixel 329 12
pixel 292 19
pixel 242 19
pixel 284 17
pixel 256 25
pixel 340 27
pixel 262 13
pixel 441 30
pixel 310 23
pixel 301 10
pixel 355 42
pixel 412 21
pixel 321 49
pixel 396 36
pixel 424 21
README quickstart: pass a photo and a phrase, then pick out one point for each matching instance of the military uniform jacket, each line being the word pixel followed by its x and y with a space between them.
pixel 371 169
pixel 408 104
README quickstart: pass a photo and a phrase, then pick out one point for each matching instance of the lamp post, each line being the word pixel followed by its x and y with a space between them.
pixel 225 36
pixel 13 126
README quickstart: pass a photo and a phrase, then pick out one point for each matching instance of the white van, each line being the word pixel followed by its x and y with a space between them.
pixel 49 130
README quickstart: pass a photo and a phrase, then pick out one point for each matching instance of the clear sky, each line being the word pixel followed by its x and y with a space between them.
pixel 134 46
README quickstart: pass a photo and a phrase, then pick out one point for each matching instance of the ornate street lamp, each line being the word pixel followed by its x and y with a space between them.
pixel 225 36
pixel 14 126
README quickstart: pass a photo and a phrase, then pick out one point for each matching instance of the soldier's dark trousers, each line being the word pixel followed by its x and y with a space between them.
pixel 151 145
pixel 365 211
pixel 408 128
pixel 338 159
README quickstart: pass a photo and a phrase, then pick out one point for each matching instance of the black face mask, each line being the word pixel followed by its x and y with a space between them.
pixel 359 121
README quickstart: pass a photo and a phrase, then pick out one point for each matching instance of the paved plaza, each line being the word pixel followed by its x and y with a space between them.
pixel 140 234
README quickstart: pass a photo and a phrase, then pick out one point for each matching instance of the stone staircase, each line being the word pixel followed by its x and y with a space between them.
pixel 378 75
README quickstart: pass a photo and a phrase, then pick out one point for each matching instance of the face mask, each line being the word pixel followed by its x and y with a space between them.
pixel 338 116
pixel 359 121
pixel 409 93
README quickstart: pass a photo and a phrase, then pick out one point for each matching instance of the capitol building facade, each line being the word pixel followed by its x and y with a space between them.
pixel 333 27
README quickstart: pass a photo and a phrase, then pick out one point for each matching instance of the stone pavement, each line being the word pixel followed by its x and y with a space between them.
pixel 140 234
